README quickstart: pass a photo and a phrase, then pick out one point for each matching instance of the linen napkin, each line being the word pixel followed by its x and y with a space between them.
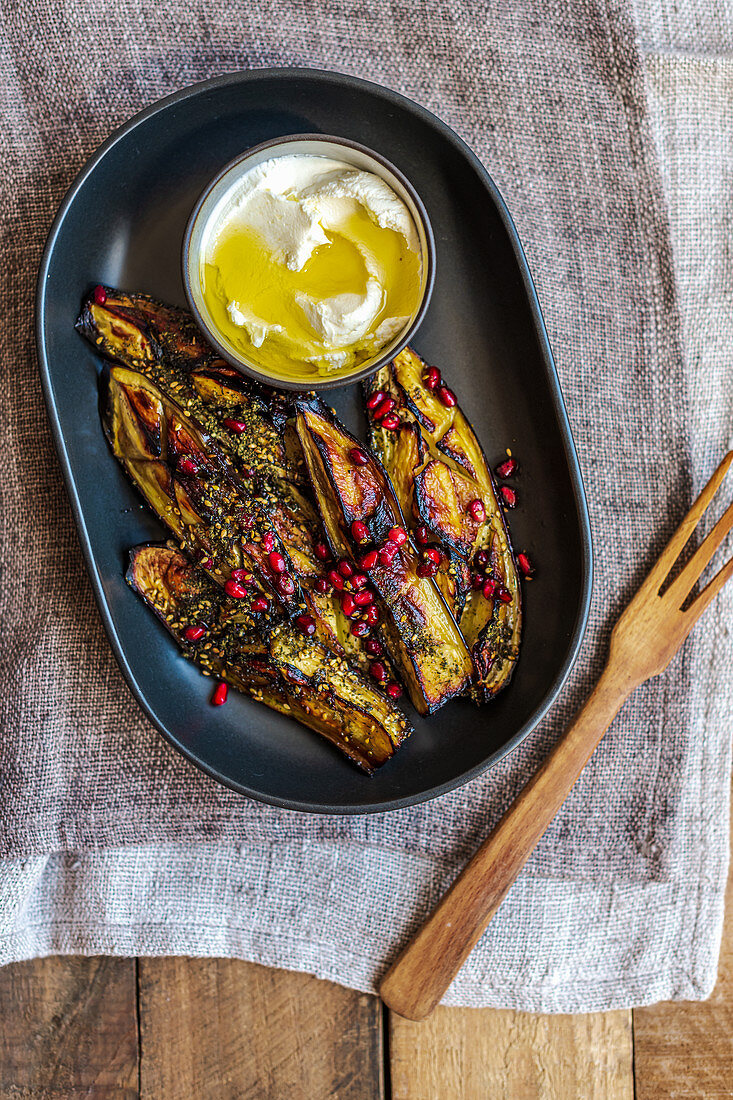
pixel 109 841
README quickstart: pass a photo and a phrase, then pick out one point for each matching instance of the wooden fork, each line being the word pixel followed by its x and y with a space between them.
pixel 646 637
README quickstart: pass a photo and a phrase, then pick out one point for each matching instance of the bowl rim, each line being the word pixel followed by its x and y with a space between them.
pixel 392 349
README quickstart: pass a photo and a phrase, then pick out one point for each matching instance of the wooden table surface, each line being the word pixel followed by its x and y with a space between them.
pixel 217 1029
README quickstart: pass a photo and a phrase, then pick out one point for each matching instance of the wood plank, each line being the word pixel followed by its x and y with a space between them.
pixel 684 1049
pixel 69 1029
pixel 220 1029
pixel 490 1054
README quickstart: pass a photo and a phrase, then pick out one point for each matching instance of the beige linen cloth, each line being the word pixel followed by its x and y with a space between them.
pixel 110 842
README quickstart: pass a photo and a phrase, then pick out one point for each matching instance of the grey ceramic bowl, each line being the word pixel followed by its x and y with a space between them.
pixel 205 216
pixel 121 224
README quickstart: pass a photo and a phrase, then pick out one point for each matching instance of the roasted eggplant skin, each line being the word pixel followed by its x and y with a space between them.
pixel 418 627
pixel 439 469
pixel 271 661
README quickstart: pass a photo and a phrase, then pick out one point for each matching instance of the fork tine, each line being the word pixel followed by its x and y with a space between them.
pixel 672 550
pixel 709 593
pixel 683 585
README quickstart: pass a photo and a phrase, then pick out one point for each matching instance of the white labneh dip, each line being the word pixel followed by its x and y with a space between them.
pixel 313 265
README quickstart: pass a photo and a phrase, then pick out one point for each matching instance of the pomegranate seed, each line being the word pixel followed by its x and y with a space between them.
pixel 373 614
pixel 426 569
pixel 358 457
pixel 390 421
pixel 100 295
pixel 477 511
pixel 397 535
pixel 194 633
pixel 447 397
pixel 478 580
pixel 359 580
pixel 508 496
pixel 285 584
pixel 489 588
pixel 394 690
pixel 386 554
pixel 368 560
pixel 246 471
pixel 345 568
pixel 360 531
pixel 524 564
pixel 241 576
pixel 336 579
pixel 187 466
pixel 348 604
pixel 377 670
pixel 504 596
pixel 321 585
pixel 359 629
pixel 507 469
pixel 237 591
pixel 207 563
pixel 237 426
pixel 268 541
pixel 277 562
pixel 321 551
pixel 307 624
pixel 422 535
pixel 220 695
pixel 373 647
pixel 363 598
pixel 482 558
pixel 374 399
pixel 385 406
pixel 432 378
pixel 260 603
pixel 433 555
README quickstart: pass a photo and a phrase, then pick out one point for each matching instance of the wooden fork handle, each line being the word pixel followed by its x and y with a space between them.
pixel 419 977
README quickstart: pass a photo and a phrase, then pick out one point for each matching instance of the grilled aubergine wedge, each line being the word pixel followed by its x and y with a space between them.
pixel 360 510
pixel 245 421
pixel 224 522
pixel 270 660
pixel 444 486
pixel 163 342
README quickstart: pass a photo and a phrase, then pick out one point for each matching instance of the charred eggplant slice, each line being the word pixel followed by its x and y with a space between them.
pixel 273 662
pixel 444 486
pixel 191 484
pixel 359 510
pixel 163 342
